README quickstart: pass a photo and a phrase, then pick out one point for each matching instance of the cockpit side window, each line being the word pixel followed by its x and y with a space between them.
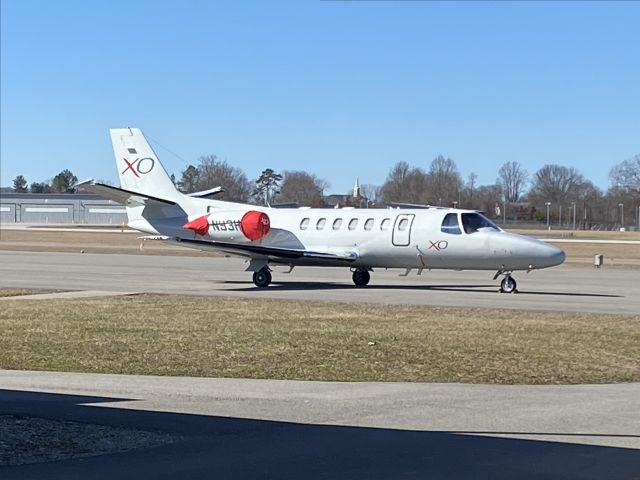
pixel 450 224
pixel 472 222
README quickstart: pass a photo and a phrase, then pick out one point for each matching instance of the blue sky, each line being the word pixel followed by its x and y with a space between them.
pixel 336 88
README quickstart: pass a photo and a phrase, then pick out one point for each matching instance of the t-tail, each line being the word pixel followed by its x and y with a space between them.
pixel 139 169
pixel 154 204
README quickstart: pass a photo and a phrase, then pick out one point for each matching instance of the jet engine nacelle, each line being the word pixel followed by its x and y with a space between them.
pixel 231 226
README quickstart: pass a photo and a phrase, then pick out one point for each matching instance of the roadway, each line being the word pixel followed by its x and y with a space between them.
pixel 560 289
pixel 236 429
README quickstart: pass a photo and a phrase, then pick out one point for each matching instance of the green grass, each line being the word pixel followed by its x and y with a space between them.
pixel 233 337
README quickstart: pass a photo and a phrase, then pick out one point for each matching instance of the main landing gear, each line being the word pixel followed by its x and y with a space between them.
pixel 262 278
pixel 361 277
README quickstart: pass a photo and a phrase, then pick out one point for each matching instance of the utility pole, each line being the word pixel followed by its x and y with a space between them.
pixel 573 204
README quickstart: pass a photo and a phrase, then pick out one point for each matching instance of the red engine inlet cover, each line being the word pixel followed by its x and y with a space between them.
pixel 200 225
pixel 255 225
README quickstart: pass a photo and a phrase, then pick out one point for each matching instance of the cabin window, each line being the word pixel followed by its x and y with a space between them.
pixel 304 224
pixel 368 225
pixel 320 223
pixel 450 224
pixel 473 222
pixel 337 223
pixel 385 224
pixel 404 223
pixel 353 224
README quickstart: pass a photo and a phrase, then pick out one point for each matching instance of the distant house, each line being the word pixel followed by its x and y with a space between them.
pixel 336 199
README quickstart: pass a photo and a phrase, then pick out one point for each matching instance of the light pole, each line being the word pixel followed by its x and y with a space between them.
pixel 504 210
pixel 560 215
pixel 548 204
pixel 621 205
pixel 573 204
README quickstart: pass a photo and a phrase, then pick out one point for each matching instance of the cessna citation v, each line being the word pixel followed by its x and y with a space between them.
pixel 360 239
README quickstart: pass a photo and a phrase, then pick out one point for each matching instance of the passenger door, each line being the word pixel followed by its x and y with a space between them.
pixel 402 230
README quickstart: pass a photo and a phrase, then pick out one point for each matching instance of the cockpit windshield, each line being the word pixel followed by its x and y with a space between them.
pixel 474 222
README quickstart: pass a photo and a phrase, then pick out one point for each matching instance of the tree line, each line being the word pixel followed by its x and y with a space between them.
pixel 61 183
pixel 553 193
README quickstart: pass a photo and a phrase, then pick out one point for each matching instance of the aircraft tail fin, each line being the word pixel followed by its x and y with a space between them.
pixel 139 168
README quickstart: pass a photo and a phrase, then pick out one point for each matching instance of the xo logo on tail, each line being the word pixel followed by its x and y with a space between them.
pixel 140 166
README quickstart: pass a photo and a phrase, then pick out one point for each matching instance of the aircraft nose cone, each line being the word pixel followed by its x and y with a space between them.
pixel 556 255
pixel 553 255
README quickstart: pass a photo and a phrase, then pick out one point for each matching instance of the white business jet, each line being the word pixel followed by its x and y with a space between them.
pixel 359 239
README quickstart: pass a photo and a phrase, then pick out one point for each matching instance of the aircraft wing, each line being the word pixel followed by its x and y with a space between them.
pixel 252 250
pixel 119 195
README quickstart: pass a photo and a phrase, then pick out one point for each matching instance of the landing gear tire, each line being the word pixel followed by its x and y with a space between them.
pixel 361 277
pixel 508 285
pixel 262 278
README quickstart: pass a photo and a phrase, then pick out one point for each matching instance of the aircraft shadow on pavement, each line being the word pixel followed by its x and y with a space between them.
pixel 236 448
pixel 485 288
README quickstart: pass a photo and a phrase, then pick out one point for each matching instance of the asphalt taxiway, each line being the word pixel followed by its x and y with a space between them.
pixel 231 428
pixel 560 289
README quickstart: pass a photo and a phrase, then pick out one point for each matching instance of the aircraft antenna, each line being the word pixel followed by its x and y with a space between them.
pixel 167 150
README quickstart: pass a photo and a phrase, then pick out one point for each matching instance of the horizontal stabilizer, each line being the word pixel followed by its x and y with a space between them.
pixel 119 195
pixel 207 193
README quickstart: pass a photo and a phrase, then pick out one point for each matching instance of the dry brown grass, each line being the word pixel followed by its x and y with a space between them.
pixel 28 240
pixel 17 292
pixel 225 337
pixel 578 234
pixel 578 254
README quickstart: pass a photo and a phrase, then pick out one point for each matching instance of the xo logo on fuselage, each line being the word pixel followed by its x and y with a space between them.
pixel 140 166
pixel 438 245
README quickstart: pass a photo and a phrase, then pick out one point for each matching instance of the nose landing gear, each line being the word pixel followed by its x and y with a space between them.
pixel 508 284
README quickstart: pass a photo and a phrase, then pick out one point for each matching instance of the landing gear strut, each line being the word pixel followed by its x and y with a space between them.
pixel 262 278
pixel 361 277
pixel 508 284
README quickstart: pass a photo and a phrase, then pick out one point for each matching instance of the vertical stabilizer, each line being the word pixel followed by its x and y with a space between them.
pixel 139 169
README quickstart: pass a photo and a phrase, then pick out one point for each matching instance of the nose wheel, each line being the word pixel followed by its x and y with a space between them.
pixel 361 277
pixel 262 278
pixel 508 284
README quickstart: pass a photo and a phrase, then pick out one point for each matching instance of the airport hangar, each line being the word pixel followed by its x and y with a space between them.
pixel 60 208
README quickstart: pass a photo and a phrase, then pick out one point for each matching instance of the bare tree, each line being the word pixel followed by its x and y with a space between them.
pixel 557 184
pixel 405 184
pixel 218 173
pixel 371 193
pixel 444 181
pixel 471 186
pixel 627 174
pixel 486 198
pixel 513 178
pixel 302 188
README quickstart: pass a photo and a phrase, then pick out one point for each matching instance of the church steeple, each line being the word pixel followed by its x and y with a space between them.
pixel 356 189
